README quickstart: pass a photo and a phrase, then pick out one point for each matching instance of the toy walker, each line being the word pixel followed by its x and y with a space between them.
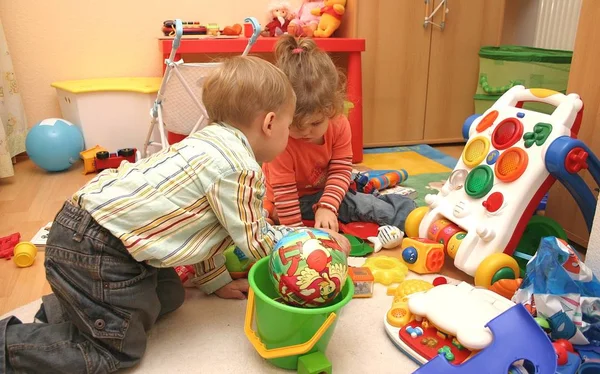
pixel 178 107
pixel 511 159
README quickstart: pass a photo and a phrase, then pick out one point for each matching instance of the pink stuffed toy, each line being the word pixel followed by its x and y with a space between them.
pixel 305 23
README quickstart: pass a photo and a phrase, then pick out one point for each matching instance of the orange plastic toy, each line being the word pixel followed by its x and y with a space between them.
pixel 423 256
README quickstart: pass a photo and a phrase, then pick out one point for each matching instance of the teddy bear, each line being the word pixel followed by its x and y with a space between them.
pixel 331 17
pixel 305 23
pixel 281 13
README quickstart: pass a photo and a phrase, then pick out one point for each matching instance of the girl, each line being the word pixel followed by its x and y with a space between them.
pixel 310 179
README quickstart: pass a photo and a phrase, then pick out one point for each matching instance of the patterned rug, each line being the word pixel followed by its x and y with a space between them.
pixel 427 167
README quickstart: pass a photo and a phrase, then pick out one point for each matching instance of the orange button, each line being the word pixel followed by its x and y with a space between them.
pixel 435 260
pixel 511 164
pixel 487 121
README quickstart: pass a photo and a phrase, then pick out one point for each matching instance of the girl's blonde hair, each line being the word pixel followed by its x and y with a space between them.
pixel 243 88
pixel 319 85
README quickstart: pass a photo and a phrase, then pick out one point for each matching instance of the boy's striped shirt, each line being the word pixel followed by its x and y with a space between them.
pixel 187 204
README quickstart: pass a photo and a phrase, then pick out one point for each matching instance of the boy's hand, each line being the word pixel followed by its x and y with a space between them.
pixel 234 290
pixel 341 239
pixel 326 219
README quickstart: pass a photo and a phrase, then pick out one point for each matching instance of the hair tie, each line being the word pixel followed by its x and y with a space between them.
pixel 297 51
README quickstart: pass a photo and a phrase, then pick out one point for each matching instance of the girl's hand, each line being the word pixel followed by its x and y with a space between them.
pixel 342 241
pixel 326 219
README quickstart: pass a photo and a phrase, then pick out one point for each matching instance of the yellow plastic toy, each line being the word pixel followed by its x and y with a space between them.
pixel 386 270
pixel 88 157
pixel 24 254
pixel 399 314
pixel 423 256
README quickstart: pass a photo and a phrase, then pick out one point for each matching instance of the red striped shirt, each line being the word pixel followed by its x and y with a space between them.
pixel 305 168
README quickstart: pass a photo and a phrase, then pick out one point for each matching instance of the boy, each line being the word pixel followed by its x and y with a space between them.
pixel 111 249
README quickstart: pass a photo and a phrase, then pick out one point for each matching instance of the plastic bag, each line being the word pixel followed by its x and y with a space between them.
pixel 560 288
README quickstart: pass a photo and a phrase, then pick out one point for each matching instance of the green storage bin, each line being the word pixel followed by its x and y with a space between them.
pixel 502 67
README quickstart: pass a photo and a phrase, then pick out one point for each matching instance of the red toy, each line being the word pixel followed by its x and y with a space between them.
pixel 105 160
pixel 7 245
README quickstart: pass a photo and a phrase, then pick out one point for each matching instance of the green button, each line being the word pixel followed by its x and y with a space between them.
pixel 479 181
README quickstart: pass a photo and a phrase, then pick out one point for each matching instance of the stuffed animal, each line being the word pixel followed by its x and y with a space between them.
pixel 305 23
pixel 281 13
pixel 387 237
pixel 331 17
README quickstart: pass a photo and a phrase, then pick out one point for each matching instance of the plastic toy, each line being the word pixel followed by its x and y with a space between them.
pixel 361 230
pixel 7 245
pixel 505 349
pixel 506 287
pixel 453 323
pixel 286 335
pixel 189 28
pixel 185 272
pixel 54 144
pixel 331 17
pixel 24 254
pixel 89 157
pixel 386 270
pixel 308 268
pixel 104 160
pixel 423 256
pixel 399 314
pixel 511 159
pixel 212 29
pixel 358 247
pixel 236 262
pixel 375 181
pixel 234 30
pixel 438 281
pixel 388 237
pixel 363 281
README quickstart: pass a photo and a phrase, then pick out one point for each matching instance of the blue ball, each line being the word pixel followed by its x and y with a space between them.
pixel 54 144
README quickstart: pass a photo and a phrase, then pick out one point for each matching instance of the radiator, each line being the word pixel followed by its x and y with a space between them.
pixel 556 24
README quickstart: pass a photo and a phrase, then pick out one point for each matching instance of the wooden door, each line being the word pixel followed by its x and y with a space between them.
pixel 394 70
pixel 454 64
pixel 584 79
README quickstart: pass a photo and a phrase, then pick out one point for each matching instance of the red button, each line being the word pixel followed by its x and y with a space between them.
pixel 493 202
pixel 576 160
pixel 507 133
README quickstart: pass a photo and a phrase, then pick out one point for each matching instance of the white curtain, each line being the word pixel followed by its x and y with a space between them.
pixel 13 124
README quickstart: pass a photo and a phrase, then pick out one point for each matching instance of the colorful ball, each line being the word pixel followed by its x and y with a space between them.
pixel 54 144
pixel 308 268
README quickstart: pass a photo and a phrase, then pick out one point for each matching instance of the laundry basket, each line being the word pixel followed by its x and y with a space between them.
pixel 501 68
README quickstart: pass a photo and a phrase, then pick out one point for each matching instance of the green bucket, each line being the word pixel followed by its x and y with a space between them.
pixel 284 333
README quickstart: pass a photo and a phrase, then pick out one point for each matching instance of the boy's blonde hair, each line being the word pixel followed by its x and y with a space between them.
pixel 243 88
pixel 317 82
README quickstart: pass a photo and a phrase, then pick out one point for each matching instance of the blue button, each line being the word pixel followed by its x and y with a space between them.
pixel 520 114
pixel 410 255
pixel 492 157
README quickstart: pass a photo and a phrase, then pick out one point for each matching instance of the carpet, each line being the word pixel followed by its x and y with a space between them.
pixel 427 167
pixel 206 335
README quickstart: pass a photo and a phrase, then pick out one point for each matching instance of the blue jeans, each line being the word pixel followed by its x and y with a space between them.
pixel 103 305
pixel 360 207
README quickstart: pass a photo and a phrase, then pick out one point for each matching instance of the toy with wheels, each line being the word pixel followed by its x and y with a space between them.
pixel 54 144
pixel 483 214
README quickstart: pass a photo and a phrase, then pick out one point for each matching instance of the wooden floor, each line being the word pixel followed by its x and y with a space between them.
pixel 31 199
